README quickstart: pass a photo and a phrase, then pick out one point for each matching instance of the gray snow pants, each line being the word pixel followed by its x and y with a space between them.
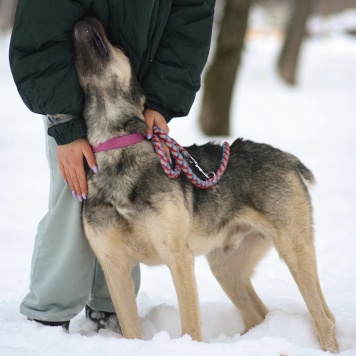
pixel 65 274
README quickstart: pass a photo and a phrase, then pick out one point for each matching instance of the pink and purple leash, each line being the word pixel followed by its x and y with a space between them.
pixel 181 155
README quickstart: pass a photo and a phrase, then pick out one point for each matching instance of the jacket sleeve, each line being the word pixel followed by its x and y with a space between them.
pixel 41 59
pixel 174 75
pixel 41 56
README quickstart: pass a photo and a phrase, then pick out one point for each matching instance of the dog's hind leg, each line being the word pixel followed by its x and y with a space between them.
pixel 117 270
pixel 295 245
pixel 233 270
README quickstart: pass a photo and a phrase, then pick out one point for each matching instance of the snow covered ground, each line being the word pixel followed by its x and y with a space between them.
pixel 315 120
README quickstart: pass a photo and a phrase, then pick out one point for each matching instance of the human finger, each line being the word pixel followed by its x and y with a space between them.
pixel 77 182
pixel 154 118
pixel 90 158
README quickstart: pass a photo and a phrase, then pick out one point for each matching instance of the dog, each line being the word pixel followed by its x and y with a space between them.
pixel 135 214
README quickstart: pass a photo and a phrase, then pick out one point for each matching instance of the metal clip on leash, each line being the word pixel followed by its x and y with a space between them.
pixel 192 160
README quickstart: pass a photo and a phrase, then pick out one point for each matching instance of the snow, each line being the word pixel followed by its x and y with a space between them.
pixel 314 120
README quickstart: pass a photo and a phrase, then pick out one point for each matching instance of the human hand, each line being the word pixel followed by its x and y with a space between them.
pixel 71 163
pixel 154 118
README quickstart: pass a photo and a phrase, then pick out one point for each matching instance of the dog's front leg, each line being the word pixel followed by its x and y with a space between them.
pixel 117 267
pixel 181 265
pixel 122 292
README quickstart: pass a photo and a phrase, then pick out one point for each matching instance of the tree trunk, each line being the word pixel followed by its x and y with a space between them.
pixel 7 14
pixel 220 77
pixel 288 59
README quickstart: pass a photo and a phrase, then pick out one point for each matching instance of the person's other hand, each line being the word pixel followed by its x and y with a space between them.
pixel 71 163
pixel 154 118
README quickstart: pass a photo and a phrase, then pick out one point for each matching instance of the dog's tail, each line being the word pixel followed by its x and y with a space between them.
pixel 304 172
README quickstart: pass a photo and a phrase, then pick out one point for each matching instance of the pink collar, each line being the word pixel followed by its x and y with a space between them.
pixel 120 141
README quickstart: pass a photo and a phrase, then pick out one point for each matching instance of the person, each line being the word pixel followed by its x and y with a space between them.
pixel 168 44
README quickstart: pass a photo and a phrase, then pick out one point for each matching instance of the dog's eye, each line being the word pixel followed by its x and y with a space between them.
pixel 100 45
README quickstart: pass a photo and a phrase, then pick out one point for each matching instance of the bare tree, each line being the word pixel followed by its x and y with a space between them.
pixel 220 77
pixel 288 58
pixel 7 14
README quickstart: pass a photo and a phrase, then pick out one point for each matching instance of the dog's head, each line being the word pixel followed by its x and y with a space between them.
pixel 104 73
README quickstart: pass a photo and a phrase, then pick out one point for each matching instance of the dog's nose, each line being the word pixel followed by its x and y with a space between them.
pixel 90 32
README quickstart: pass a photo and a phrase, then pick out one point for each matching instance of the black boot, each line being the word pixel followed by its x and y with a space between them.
pixel 103 320
pixel 63 324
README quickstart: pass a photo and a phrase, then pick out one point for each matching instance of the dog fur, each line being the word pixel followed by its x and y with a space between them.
pixel 135 213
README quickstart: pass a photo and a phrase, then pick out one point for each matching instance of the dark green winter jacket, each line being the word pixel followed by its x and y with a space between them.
pixel 167 42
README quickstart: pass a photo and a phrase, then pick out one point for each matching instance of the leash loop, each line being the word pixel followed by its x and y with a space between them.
pixel 181 156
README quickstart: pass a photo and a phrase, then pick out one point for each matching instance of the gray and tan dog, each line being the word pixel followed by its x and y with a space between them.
pixel 135 213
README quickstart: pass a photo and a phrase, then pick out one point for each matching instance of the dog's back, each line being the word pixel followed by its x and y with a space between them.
pixel 258 176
